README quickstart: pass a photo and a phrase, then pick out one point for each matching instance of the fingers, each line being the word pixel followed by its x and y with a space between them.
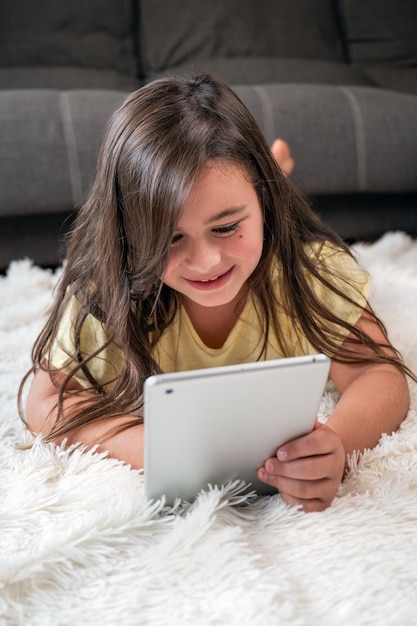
pixel 308 470
pixel 308 506
pixel 321 441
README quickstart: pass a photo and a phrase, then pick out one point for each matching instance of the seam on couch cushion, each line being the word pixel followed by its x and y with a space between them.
pixel 71 148
pixel 360 142
pixel 267 111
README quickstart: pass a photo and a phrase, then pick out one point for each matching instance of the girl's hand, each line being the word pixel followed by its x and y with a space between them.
pixel 307 470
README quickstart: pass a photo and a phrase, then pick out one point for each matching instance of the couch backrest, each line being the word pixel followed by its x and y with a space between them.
pixel 175 32
pixel 380 32
pixel 88 33
pixel 151 36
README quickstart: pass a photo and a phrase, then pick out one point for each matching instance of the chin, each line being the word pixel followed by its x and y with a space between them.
pixel 211 300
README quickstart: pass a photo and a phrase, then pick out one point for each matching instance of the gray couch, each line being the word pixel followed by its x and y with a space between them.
pixel 336 78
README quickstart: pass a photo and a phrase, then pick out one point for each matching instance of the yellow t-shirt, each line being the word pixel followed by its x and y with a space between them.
pixel 180 347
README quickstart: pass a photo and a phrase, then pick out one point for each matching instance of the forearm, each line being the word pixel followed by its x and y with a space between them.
pixel 41 417
pixel 374 403
pixel 126 445
pixel 42 407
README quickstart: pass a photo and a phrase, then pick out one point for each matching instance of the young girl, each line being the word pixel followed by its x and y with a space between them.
pixel 193 250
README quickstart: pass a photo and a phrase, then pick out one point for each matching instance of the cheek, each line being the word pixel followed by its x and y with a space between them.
pixel 251 243
pixel 175 261
pixel 170 267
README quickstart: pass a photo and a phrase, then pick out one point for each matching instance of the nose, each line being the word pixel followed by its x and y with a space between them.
pixel 203 256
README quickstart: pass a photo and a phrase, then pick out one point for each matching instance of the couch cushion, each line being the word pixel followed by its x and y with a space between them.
pixel 49 145
pixel 402 79
pixel 380 31
pixel 344 139
pixel 86 33
pixel 179 31
pixel 33 150
pixel 253 70
pixel 65 78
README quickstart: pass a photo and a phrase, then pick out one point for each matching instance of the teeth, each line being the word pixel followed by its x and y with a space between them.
pixel 210 280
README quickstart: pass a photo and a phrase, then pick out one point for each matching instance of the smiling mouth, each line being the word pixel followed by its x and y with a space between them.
pixel 211 281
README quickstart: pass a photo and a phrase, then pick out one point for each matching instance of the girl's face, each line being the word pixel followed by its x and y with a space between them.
pixel 218 240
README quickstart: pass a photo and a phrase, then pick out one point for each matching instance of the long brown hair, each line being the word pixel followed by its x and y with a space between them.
pixel 154 147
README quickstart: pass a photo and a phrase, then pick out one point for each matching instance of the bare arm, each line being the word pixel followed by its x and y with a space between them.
pixel 41 414
pixel 374 400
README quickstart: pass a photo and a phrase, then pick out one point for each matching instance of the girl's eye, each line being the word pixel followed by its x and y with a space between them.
pixel 219 230
pixel 175 239
pixel 226 230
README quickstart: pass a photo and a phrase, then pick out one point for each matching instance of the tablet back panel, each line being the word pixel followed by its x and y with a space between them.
pixel 219 424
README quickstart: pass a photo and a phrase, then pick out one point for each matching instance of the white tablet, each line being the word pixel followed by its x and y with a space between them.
pixel 211 426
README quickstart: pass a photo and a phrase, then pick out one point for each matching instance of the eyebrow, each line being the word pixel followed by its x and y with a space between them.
pixel 230 212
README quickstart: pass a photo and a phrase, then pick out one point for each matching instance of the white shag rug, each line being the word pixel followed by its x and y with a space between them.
pixel 80 546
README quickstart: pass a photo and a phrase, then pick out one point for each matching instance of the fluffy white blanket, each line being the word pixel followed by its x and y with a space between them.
pixel 79 544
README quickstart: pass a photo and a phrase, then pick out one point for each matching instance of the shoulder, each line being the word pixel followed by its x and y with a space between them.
pixel 329 253
pixel 331 267
pixel 337 265
pixel 340 283
pixel 74 321
pixel 82 336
